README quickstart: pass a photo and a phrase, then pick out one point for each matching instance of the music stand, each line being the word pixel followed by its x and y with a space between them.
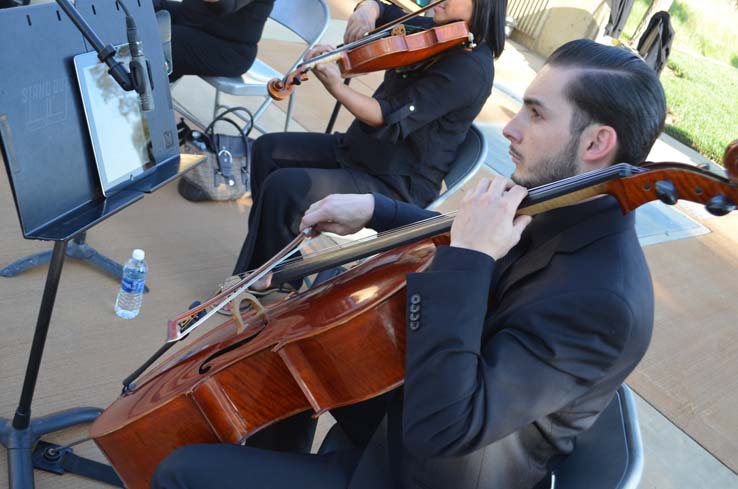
pixel 52 173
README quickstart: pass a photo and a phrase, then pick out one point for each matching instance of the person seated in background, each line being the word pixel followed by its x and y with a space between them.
pixel 215 37
pixel 403 137
pixel 519 333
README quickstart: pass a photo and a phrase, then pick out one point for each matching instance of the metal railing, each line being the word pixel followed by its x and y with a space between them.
pixel 529 15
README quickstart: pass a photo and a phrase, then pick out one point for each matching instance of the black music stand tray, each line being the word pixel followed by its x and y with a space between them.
pixel 48 156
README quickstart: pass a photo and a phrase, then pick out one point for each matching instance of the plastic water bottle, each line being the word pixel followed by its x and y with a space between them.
pixel 128 303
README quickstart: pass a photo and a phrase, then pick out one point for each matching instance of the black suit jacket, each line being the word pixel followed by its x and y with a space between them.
pixel 508 361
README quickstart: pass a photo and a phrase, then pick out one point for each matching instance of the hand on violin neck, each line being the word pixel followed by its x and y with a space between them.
pixel 486 220
pixel 327 72
pixel 339 213
pixel 317 50
pixel 362 21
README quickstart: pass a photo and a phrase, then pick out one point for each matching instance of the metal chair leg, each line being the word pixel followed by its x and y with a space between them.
pixel 290 106
pixel 216 103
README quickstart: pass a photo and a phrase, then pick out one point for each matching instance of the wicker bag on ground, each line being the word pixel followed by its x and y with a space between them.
pixel 225 173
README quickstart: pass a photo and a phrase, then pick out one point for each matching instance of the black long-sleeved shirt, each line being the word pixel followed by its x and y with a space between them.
pixel 427 112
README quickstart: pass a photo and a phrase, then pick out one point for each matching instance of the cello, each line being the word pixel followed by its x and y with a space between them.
pixel 341 342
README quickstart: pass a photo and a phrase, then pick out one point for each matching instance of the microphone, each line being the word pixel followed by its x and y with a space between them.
pixel 141 78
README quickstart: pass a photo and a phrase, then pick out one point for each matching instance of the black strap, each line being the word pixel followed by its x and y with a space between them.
pixel 209 131
pixel 57 459
pixel 89 468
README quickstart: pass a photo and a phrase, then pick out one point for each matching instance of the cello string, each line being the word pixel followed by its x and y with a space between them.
pixel 366 239
pixel 533 194
pixel 418 225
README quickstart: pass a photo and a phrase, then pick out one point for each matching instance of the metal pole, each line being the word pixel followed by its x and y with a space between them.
pixel 22 417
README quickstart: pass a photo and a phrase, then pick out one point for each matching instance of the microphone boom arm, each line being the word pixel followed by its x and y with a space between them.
pixel 140 78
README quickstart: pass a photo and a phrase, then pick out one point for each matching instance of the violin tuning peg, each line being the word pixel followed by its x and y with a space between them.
pixel 470 41
pixel 666 192
pixel 720 205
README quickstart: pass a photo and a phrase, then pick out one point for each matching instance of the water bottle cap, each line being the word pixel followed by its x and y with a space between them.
pixel 138 254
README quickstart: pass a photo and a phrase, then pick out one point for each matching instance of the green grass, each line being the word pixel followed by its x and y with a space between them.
pixel 636 13
pixel 702 97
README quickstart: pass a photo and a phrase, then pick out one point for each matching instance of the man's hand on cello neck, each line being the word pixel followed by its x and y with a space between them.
pixel 485 222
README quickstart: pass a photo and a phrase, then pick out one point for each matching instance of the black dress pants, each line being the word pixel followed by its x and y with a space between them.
pixel 289 172
pixel 196 52
pixel 224 466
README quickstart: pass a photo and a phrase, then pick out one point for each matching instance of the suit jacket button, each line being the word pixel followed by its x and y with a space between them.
pixel 414 316
pixel 415 299
pixel 414 325
pixel 414 308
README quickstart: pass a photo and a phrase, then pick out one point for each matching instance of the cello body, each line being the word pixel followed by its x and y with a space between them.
pixel 337 344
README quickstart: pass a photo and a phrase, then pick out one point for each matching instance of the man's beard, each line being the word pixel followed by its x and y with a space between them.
pixel 553 168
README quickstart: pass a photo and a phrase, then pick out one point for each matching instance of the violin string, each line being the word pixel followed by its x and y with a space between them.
pixel 345 47
pixel 378 33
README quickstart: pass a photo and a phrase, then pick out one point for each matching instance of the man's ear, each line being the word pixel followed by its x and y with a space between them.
pixel 600 144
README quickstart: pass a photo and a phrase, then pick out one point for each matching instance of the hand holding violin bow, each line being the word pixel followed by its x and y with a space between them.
pixel 362 21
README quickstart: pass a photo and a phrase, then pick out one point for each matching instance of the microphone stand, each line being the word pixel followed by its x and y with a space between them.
pixel 106 53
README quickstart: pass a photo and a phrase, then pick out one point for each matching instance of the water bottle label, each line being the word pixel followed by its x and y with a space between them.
pixel 132 286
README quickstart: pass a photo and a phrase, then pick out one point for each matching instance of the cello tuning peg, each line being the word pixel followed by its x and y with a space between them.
pixel 666 192
pixel 730 161
pixel 720 205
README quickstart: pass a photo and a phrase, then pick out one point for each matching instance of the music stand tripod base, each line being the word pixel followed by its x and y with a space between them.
pixel 77 249
pixel 20 435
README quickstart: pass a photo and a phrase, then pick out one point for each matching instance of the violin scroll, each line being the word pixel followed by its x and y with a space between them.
pixel 280 90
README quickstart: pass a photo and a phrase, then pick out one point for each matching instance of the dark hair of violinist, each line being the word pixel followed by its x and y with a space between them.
pixel 404 136
pixel 488 23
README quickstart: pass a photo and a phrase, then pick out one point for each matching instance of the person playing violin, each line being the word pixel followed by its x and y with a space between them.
pixel 519 332
pixel 403 138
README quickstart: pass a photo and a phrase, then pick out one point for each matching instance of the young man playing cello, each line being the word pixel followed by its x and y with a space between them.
pixel 403 138
pixel 520 331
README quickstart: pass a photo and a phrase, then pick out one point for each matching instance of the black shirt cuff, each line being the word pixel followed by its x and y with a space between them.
pixel 452 258
pixel 391 214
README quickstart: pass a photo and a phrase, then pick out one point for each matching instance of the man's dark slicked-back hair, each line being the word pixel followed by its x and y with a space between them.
pixel 488 24
pixel 617 88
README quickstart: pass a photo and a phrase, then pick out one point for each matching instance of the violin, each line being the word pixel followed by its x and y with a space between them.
pixel 341 342
pixel 385 48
